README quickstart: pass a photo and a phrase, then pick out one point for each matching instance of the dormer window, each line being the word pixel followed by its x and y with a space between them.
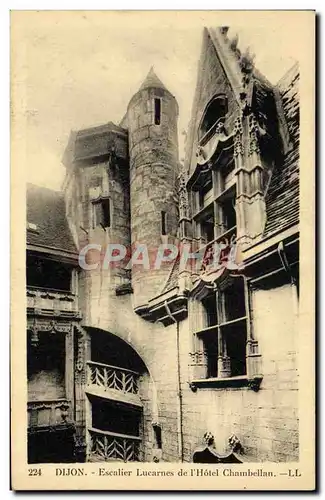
pixel 213 117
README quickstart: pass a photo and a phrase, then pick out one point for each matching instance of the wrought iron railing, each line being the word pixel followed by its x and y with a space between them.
pixel 48 413
pixel 112 377
pixel 111 446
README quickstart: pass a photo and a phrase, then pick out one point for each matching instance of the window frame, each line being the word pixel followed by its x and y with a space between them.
pixel 157 111
pixel 220 327
pixel 100 202
pixel 203 135
pixel 38 266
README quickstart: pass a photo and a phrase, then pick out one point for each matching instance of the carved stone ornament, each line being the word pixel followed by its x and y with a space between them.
pixel 224 30
pixel 254 133
pixel 198 357
pixel 37 325
pixel 207 453
pixel 219 138
pixel 183 195
pixel 193 386
pixel 238 138
pixel 246 64
pixel 34 337
pixel 255 382
pixel 235 444
pixel 80 349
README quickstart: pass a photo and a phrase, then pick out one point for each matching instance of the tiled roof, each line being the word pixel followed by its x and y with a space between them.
pixel 282 198
pixel 46 215
pixel 95 142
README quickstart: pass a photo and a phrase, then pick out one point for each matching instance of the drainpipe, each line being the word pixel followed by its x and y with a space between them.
pixel 179 406
pixel 287 268
pixel 178 390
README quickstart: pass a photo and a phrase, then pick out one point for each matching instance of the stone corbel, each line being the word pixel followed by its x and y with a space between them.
pixel 255 382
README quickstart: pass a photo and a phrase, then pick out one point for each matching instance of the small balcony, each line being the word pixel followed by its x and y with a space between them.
pixel 48 413
pixel 112 382
pixel 111 446
pixel 51 300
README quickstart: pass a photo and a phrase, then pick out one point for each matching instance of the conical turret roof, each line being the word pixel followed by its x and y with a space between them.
pixel 152 81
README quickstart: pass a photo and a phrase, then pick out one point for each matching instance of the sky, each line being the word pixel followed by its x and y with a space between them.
pixel 79 69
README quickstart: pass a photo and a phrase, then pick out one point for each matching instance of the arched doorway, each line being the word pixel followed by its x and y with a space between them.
pixel 118 401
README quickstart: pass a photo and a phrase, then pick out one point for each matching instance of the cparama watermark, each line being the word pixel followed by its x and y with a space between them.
pixel 212 256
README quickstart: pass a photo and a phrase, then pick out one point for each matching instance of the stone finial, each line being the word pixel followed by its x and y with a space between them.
pixel 224 30
pixel 234 42
pixel 246 62
pixel 234 46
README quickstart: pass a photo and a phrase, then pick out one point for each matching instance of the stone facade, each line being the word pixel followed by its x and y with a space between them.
pixel 124 185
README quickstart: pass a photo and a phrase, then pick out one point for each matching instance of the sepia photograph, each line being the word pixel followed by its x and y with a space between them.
pixel 162 167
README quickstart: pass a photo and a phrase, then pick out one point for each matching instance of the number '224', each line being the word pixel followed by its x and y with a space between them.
pixel 34 472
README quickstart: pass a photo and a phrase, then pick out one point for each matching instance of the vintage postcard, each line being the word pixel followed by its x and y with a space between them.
pixel 162 305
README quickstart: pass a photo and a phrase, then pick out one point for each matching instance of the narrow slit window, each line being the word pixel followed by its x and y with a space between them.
pixel 163 223
pixel 157 433
pixel 106 209
pixel 157 111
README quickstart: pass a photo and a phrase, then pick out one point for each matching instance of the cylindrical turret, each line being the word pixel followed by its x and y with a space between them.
pixel 153 152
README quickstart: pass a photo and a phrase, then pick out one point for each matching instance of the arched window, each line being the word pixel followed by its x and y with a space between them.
pixel 214 113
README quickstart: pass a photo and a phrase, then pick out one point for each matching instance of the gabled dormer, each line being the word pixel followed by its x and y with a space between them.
pixel 234 143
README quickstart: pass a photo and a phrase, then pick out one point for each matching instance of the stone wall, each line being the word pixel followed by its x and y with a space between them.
pixel 155 345
pixel 266 422
pixel 46 384
pixel 153 151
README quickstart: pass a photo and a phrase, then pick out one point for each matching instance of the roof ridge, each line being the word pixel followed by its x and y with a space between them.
pixel 45 188
pixel 287 74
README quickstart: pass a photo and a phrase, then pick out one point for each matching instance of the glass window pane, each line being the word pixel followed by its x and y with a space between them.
pixel 234 300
